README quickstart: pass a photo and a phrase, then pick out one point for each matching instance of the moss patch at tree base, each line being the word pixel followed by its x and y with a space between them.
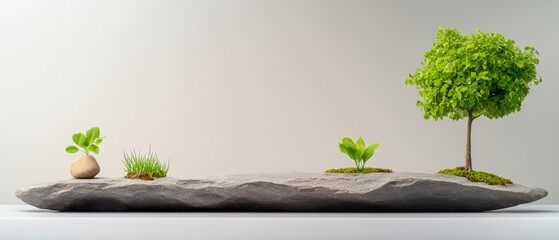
pixel 477 176
pixel 354 170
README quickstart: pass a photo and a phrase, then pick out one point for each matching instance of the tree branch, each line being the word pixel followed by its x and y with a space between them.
pixel 474 117
pixel 471 113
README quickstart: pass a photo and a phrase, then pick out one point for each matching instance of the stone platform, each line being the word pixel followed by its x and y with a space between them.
pixel 294 192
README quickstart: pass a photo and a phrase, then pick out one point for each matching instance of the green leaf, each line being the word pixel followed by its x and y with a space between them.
pixel 370 151
pixel 360 148
pixel 89 133
pixel 352 153
pixel 98 141
pixel 84 141
pixel 93 148
pixel 360 143
pixel 93 133
pixel 343 148
pixel 348 142
pixel 76 138
pixel 71 149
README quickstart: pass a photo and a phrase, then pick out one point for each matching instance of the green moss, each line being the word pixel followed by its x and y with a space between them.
pixel 354 170
pixel 477 176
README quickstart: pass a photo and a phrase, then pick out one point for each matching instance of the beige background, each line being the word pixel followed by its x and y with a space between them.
pixel 226 87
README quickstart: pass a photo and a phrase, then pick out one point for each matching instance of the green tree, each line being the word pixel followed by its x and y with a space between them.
pixel 468 76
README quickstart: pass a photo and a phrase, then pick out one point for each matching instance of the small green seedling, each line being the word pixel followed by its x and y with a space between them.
pixel 357 151
pixel 88 142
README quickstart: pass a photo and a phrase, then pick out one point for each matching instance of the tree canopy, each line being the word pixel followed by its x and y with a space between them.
pixel 481 74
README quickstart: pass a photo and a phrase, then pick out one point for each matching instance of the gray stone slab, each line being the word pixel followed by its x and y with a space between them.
pixel 293 192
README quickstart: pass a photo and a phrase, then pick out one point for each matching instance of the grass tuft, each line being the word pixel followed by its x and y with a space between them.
pixel 144 166
pixel 477 176
pixel 354 170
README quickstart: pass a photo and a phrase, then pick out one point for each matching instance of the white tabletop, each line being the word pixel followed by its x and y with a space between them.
pixel 522 222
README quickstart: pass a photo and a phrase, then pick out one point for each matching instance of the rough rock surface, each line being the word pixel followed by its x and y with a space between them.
pixel 300 192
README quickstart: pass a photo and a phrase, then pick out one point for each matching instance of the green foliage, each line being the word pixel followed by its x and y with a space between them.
pixel 484 74
pixel 145 166
pixel 355 170
pixel 357 151
pixel 89 141
pixel 477 176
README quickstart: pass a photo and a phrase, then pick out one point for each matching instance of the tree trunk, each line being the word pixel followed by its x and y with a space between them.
pixel 468 165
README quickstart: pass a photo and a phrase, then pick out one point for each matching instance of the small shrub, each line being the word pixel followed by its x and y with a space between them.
pixel 477 176
pixel 144 166
pixel 357 151
pixel 355 170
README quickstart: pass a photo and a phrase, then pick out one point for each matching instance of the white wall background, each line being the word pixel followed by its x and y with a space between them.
pixel 227 87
